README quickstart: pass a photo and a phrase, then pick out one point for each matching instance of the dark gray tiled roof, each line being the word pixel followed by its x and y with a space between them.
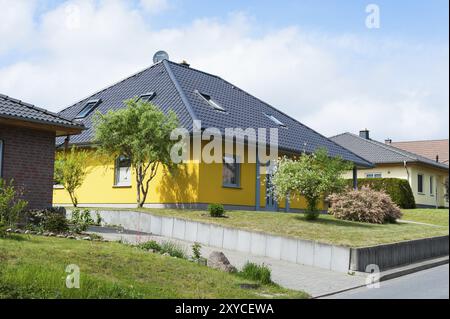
pixel 176 85
pixel 16 109
pixel 380 153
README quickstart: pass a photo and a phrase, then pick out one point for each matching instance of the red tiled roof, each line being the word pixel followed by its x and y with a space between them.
pixel 429 149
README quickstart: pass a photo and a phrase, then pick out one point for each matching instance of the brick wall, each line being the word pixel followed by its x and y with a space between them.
pixel 28 158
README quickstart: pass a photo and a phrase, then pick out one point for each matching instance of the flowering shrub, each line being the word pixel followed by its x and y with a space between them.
pixel 364 205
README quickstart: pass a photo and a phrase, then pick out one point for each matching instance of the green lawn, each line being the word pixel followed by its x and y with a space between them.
pixel 326 229
pixel 428 216
pixel 34 267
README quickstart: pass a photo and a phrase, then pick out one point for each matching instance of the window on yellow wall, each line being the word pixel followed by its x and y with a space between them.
pixel 420 183
pixel 122 171
pixel 431 185
pixel 231 171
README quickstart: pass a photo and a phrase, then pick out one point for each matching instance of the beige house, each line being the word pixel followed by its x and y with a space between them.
pixel 425 176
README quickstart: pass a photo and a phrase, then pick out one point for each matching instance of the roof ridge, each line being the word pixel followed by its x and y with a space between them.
pixel 180 91
pixel 36 108
pixel 395 149
pixel 110 86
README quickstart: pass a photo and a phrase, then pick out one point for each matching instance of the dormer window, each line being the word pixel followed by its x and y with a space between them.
pixel 207 98
pixel 275 120
pixel 147 97
pixel 87 109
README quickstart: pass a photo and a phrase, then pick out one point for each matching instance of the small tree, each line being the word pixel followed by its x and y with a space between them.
pixel 312 176
pixel 11 206
pixel 141 132
pixel 71 170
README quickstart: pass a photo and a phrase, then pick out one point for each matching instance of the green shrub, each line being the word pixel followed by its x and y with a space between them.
pixel 216 210
pixel 11 206
pixel 56 223
pixel 173 249
pixel 81 219
pixel 52 219
pixel 196 251
pixel 150 245
pixel 364 205
pixel 398 189
pixel 259 273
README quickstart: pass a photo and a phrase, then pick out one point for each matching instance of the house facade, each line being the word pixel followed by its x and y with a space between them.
pixel 425 176
pixel 201 101
pixel 27 148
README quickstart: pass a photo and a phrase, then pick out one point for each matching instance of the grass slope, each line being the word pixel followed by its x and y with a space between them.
pixel 34 267
pixel 326 229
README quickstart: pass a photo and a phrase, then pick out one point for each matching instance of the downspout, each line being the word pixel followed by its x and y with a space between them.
pixel 407 172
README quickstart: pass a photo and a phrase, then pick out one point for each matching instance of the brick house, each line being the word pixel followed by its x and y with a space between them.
pixel 27 148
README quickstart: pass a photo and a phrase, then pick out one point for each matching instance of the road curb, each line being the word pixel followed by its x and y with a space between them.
pixel 395 273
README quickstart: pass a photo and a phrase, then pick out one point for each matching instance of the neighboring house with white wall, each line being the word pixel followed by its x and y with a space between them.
pixel 425 176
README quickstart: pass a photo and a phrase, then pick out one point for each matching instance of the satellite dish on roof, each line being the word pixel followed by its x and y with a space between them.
pixel 159 56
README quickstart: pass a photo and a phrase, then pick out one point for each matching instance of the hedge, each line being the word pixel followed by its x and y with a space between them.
pixel 398 189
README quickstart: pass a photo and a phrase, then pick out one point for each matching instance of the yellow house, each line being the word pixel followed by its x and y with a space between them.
pixel 202 102
pixel 425 176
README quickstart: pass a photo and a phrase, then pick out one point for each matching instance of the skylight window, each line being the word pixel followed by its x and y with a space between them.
pixel 147 97
pixel 88 108
pixel 210 101
pixel 275 120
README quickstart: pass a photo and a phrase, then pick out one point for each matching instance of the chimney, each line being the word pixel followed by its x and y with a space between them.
pixel 184 63
pixel 388 141
pixel 364 134
pixel 437 158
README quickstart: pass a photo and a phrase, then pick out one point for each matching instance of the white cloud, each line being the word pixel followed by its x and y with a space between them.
pixel 330 83
pixel 155 6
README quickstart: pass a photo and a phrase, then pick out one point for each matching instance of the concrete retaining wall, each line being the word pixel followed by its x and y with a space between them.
pixel 399 254
pixel 289 249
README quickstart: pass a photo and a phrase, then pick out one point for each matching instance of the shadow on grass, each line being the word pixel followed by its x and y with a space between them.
pixel 336 222
pixel 15 237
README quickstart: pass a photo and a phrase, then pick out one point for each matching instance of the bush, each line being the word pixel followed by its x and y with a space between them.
pixel 365 205
pixel 11 206
pixel 56 223
pixel 173 249
pixel 259 273
pixel 81 219
pixel 398 189
pixel 150 245
pixel 216 210
pixel 51 219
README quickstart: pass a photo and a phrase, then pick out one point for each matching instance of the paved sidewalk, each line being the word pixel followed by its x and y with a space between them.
pixel 315 281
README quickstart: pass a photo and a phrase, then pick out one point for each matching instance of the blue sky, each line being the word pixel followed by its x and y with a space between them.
pixel 315 60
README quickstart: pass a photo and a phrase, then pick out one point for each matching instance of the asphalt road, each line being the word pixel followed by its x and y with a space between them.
pixel 427 284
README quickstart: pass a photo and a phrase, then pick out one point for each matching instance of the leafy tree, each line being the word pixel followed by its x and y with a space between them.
pixel 312 176
pixel 141 132
pixel 70 170
pixel 11 206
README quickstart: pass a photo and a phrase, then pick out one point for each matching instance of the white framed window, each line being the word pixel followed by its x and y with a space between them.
pixel 1 158
pixel 231 171
pixel 431 185
pixel 420 183
pixel 122 172
pixel 374 175
pixel 212 103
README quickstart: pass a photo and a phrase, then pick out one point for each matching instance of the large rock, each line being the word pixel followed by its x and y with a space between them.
pixel 218 260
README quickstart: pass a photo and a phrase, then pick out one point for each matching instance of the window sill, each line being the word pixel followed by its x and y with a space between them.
pixel 121 186
pixel 58 187
pixel 421 193
pixel 232 186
